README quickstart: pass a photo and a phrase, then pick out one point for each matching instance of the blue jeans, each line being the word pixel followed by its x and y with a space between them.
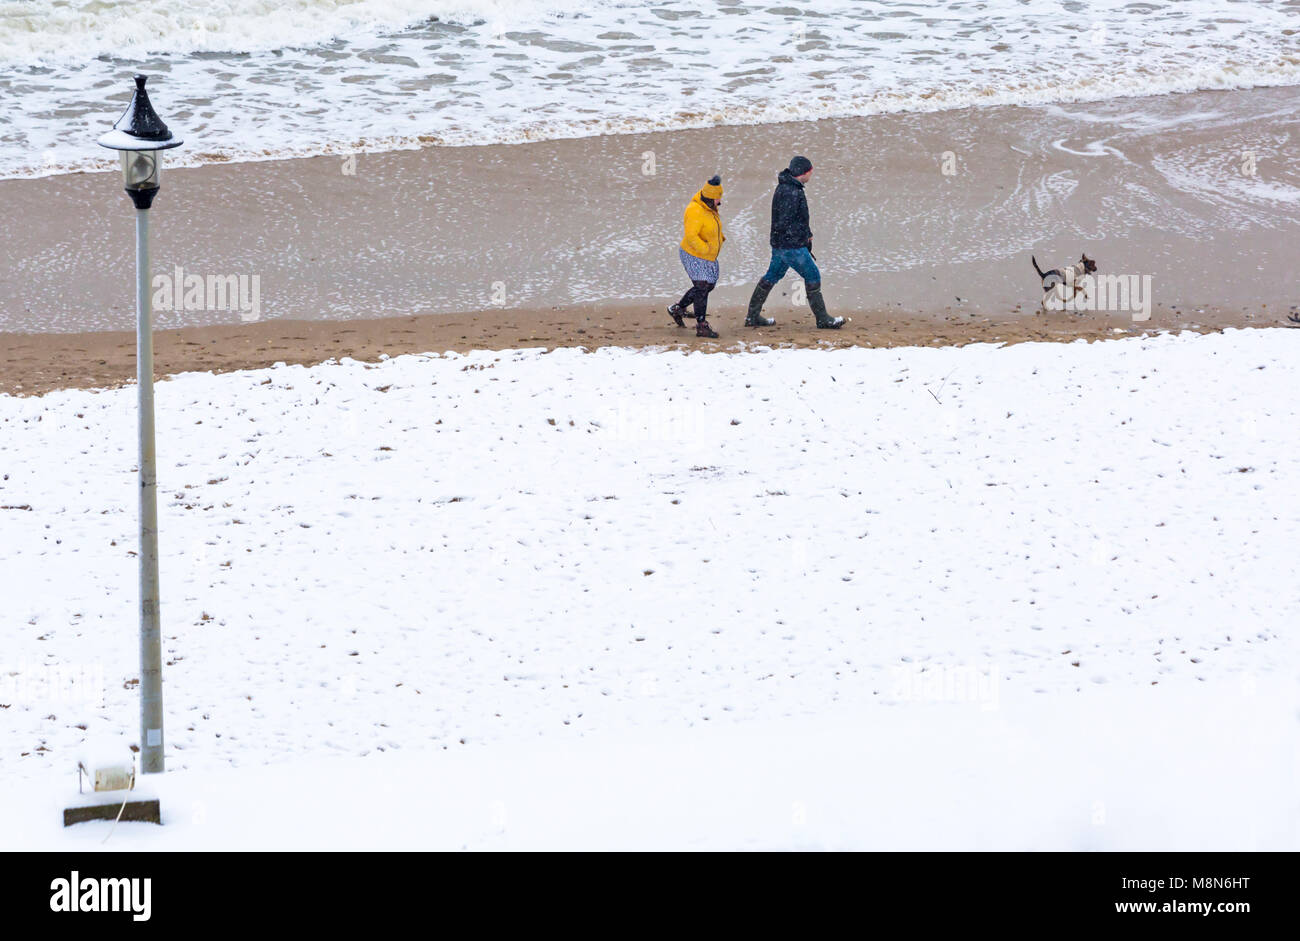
pixel 800 259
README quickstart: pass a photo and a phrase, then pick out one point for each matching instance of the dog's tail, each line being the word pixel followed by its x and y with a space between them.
pixel 1041 275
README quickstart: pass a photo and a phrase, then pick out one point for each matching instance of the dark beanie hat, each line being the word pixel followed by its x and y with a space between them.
pixel 800 165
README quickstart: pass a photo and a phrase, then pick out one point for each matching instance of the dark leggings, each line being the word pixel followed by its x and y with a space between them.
pixel 699 296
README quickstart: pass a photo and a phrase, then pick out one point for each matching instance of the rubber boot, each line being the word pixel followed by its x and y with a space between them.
pixel 818 305
pixel 755 316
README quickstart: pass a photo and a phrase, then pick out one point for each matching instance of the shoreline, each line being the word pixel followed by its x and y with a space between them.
pixel 37 363
pixel 362 147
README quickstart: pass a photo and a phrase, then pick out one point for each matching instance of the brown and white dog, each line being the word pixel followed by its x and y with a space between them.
pixel 1063 285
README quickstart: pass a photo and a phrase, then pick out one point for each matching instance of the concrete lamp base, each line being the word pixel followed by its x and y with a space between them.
pixel 142 811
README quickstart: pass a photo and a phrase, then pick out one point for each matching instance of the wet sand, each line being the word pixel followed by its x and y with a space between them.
pixel 32 364
pixel 1148 186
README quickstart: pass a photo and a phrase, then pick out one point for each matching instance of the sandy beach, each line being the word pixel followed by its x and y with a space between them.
pixel 573 242
pixel 32 364
pixel 1150 187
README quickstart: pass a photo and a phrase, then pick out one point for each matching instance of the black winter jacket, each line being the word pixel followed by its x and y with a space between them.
pixel 789 213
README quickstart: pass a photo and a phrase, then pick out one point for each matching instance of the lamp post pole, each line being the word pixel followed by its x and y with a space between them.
pixel 141 136
pixel 151 702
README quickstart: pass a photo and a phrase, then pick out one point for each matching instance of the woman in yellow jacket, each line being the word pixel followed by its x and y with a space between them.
pixel 701 242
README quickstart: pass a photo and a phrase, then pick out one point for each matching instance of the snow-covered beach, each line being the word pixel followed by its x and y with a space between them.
pixel 1042 596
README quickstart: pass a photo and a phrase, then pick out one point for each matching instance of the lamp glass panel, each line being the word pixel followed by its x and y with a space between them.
pixel 141 168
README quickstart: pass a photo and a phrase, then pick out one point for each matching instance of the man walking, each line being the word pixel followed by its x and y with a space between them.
pixel 791 243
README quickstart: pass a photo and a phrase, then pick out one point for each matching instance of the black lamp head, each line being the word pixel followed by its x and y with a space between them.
pixel 140 119
pixel 139 127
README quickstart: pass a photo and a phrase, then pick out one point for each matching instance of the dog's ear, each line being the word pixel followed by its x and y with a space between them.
pixel 1086 258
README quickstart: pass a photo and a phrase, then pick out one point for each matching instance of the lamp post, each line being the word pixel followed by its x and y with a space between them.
pixel 141 136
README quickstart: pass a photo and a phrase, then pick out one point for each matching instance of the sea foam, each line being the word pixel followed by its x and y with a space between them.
pixel 256 79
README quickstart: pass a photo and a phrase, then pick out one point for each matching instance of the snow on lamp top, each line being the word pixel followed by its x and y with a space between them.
pixel 139 127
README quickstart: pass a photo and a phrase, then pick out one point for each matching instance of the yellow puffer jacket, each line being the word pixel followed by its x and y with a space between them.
pixel 703 236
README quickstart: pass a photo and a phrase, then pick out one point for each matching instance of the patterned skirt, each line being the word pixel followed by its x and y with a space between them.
pixel 698 269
